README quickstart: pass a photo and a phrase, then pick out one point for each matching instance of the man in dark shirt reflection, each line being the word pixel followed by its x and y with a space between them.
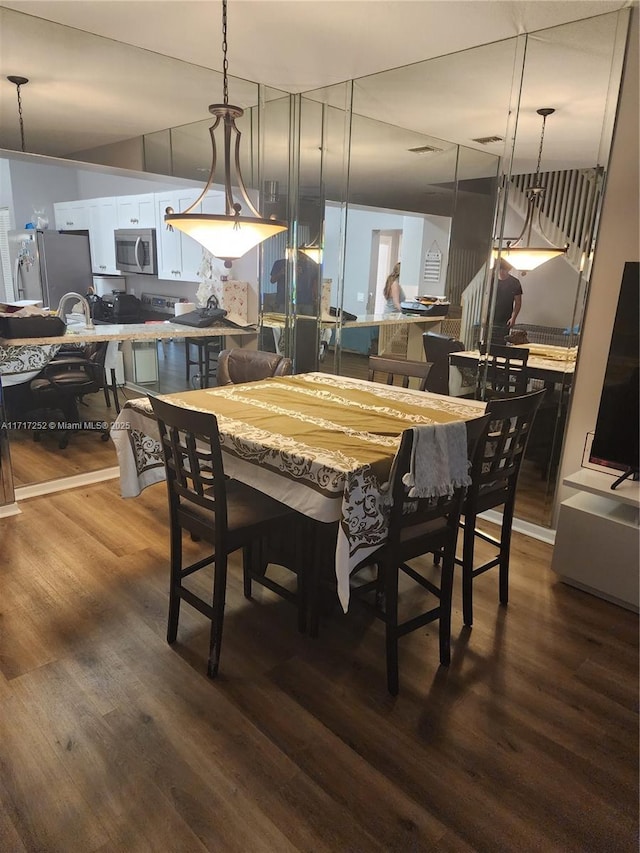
pixel 508 302
pixel 307 272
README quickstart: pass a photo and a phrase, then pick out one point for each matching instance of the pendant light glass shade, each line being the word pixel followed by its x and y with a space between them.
pixel 227 236
pixel 526 259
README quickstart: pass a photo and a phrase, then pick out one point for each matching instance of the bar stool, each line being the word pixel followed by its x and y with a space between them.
pixel 206 359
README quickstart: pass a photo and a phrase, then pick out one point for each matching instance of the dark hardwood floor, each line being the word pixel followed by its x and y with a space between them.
pixel 110 740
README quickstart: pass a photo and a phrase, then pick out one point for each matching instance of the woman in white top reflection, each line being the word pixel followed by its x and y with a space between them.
pixel 392 292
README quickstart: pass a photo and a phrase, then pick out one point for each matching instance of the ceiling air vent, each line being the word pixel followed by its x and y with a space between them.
pixel 487 140
pixel 423 149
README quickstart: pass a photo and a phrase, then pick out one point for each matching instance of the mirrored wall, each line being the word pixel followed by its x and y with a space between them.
pixel 425 165
pixel 429 166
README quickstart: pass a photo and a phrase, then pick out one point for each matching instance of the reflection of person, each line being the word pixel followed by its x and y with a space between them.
pixel 392 292
pixel 306 284
pixel 508 302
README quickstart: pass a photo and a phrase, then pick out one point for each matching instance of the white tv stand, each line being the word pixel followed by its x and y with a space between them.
pixel 597 546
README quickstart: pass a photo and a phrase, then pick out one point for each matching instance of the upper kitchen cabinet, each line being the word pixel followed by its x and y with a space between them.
pixel 179 256
pixel 103 221
pixel 71 215
pixel 136 211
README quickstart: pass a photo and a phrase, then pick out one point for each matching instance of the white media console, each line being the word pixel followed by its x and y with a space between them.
pixel 597 546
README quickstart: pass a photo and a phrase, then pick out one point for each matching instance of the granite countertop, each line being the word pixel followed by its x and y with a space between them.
pixel 129 332
pixel 278 320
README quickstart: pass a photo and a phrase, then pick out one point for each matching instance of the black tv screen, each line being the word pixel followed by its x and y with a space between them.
pixel 617 435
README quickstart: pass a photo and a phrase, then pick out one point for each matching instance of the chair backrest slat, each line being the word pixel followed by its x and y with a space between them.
pixel 398 369
pixel 500 456
pixel 193 462
pixel 505 371
pixel 424 510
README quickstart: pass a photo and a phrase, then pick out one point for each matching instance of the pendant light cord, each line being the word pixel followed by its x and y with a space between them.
pixel 20 118
pixel 544 121
pixel 225 61
pixel 18 82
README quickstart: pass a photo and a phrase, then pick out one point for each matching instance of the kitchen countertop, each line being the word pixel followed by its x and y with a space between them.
pixel 278 320
pixel 129 332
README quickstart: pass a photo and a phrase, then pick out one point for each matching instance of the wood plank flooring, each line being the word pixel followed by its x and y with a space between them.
pixel 110 740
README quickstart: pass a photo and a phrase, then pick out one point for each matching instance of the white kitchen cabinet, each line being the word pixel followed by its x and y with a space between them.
pixel 136 211
pixel 179 257
pixel 71 215
pixel 102 223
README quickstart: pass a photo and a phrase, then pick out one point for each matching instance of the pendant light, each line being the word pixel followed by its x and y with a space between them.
pixel 18 82
pixel 231 235
pixel 525 258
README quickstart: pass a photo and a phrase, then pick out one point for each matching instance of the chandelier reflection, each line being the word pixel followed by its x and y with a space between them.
pixel 526 257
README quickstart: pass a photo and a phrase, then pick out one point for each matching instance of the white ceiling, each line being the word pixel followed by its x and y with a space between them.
pixel 86 91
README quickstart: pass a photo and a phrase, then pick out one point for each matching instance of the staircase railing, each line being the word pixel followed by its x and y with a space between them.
pixel 568 209
pixel 471 301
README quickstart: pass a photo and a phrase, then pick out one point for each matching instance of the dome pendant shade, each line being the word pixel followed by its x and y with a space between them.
pixel 526 259
pixel 226 237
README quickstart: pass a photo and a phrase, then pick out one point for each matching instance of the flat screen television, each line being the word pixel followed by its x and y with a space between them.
pixel 616 442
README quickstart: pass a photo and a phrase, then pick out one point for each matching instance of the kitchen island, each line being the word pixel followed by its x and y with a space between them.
pixel 163 330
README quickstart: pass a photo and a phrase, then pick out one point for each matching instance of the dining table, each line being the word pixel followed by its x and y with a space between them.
pixel 321 444
pixel 553 365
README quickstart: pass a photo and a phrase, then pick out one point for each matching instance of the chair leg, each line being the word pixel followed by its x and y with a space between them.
pixel 302 585
pixel 467 569
pixel 391 626
pixel 219 594
pixel 505 549
pixel 247 568
pixel 174 584
pixel 446 595
pixel 114 390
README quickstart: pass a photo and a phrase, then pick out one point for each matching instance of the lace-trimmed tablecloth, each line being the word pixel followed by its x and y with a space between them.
pixel 319 443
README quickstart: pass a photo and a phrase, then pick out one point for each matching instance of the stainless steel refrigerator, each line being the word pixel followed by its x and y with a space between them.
pixel 47 264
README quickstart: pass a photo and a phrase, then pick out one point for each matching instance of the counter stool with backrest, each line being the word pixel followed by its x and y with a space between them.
pixel 244 365
pixel 398 371
pixel 506 371
pixel 436 351
pixel 220 511
pixel 208 349
pixel 431 526
pixel 494 478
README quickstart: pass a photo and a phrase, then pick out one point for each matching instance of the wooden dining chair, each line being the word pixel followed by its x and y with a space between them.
pixel 436 350
pixel 394 369
pixel 416 527
pixel 222 512
pixel 504 373
pixel 494 479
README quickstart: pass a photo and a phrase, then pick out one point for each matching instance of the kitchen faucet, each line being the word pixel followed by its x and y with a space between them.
pixel 85 307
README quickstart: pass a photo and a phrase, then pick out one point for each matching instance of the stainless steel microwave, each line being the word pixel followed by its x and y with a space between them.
pixel 136 251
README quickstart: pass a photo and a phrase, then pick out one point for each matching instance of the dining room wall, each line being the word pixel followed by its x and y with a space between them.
pixel 618 242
